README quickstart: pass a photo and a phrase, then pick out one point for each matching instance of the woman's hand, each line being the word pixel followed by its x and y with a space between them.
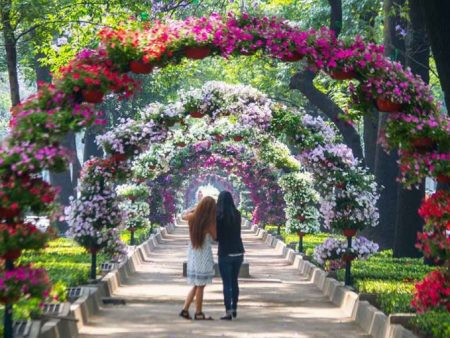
pixel 188 214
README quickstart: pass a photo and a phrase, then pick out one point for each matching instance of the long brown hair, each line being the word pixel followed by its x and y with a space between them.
pixel 204 217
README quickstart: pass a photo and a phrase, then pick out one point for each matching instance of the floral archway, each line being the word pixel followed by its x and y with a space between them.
pixel 39 124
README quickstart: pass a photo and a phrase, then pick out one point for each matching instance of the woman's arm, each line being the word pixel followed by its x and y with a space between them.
pixel 188 215
pixel 213 231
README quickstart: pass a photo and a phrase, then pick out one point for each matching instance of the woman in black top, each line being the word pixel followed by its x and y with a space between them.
pixel 231 251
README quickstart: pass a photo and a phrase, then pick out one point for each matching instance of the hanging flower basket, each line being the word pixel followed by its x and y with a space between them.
pixel 93 250
pixel 443 178
pixel 292 58
pixel 181 144
pixel 118 157
pixel 341 185
pixel 342 75
pixel 388 106
pixel 12 254
pixel 301 218
pixel 9 300
pixel 348 257
pixel 349 232
pixel 93 95
pixel 132 198
pixel 9 212
pixel 238 138
pixel 422 144
pixel 196 114
pixel 140 67
pixel 197 53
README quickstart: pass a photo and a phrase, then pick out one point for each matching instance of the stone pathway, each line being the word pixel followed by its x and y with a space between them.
pixel 275 302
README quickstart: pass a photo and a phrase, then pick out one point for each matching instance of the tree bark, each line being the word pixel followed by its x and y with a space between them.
pixel 11 52
pixel 408 220
pixel 436 14
pixel 386 168
pixel 370 138
pixel 90 147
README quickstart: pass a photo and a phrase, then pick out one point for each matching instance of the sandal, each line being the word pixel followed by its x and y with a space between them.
pixel 185 314
pixel 201 316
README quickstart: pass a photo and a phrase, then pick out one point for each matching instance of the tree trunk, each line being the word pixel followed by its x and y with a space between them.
pixel 386 168
pixel 11 53
pixel 408 220
pixel 436 15
pixel 370 138
pixel 90 147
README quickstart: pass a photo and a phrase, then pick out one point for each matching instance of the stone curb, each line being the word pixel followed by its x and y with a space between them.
pixel 91 300
pixel 369 318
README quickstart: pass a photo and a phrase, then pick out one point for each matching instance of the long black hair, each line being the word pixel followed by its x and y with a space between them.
pixel 227 212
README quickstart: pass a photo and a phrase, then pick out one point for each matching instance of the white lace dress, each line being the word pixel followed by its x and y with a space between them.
pixel 200 263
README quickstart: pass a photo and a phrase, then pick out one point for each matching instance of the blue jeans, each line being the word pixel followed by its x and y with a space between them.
pixel 229 270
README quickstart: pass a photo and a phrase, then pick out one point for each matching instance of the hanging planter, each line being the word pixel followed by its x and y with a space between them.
pixel 301 218
pixel 93 250
pixel 140 67
pixel 348 257
pixel 387 106
pixel 292 58
pixel 197 53
pixel 218 137
pixel 12 254
pixel 132 198
pixel 9 300
pixel 238 138
pixel 341 185
pixel 119 157
pixel 342 74
pixel 349 232
pixel 196 114
pixel 181 144
pixel 9 212
pixel 441 178
pixel 423 144
pixel 93 95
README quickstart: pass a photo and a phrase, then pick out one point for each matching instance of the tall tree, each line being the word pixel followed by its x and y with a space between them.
pixel 436 15
pixel 8 27
pixel 386 168
pixel 408 221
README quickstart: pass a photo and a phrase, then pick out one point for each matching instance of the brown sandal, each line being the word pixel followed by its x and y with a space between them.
pixel 201 316
pixel 185 314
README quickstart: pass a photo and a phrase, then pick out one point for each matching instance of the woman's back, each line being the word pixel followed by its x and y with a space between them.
pixel 229 228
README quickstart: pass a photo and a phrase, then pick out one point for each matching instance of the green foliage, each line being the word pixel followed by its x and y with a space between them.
pixel 434 324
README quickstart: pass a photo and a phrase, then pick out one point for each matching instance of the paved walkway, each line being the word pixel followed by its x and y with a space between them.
pixel 275 302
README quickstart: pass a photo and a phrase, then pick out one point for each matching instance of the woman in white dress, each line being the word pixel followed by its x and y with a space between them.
pixel 200 263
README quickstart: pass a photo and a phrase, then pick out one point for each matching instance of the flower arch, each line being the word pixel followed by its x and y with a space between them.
pixel 39 124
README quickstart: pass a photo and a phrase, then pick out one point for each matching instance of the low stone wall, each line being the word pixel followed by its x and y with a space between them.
pixel 92 295
pixel 368 317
